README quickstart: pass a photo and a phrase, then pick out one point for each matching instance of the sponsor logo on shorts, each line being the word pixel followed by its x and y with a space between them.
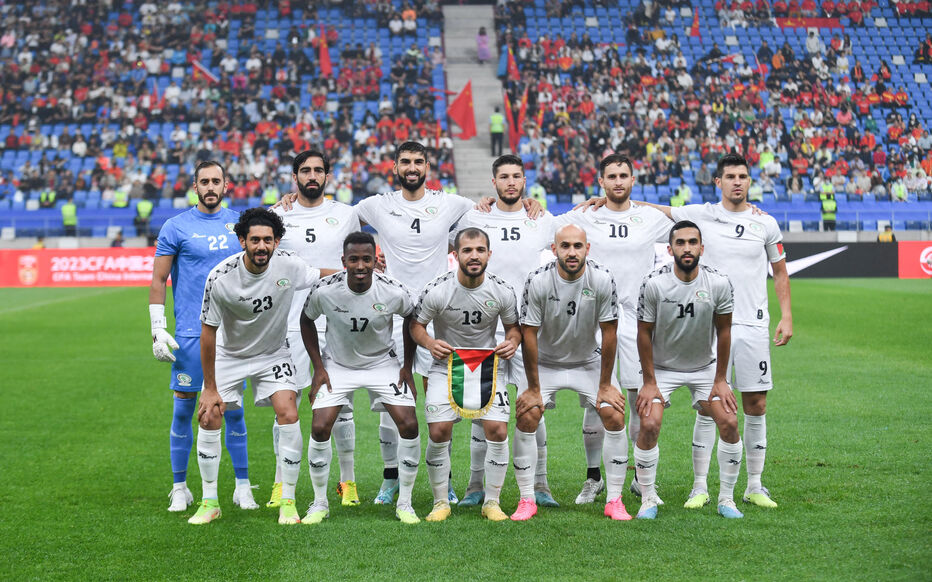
pixel 379 306
pixel 431 210
pixel 183 379
pixel 491 304
pixel 283 283
pixel 332 221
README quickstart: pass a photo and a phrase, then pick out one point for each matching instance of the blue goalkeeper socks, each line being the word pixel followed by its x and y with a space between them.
pixel 181 437
pixel 236 442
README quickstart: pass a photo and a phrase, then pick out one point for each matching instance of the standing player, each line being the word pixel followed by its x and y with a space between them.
pixel 247 297
pixel 622 235
pixel 465 307
pixel 741 244
pixel 314 231
pixel 519 241
pixel 682 312
pixel 189 245
pixel 565 304
pixel 359 306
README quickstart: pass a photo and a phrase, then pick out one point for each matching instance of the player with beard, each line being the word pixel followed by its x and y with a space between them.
pixel 684 339
pixel 518 242
pixel 188 247
pixel 315 229
pixel 485 299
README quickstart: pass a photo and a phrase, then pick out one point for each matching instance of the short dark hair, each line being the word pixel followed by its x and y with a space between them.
pixel 681 225
pixel 206 164
pixel 471 232
pixel 730 159
pixel 614 159
pixel 259 217
pixel 411 146
pixel 358 238
pixel 507 160
pixel 303 156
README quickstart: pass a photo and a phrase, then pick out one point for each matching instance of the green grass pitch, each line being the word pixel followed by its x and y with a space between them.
pixel 85 472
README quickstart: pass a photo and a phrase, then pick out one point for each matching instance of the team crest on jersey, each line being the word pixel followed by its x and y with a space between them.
pixel 530 223
pixel 283 283
pixel 587 292
pixel 379 306
pixel 183 379
pixel 702 295
pixel 332 221
pixel 636 220
pixel 756 227
pixel 491 304
pixel 431 210
pixel 229 226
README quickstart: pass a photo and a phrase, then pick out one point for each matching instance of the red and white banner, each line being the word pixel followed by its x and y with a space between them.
pixel 116 267
pixel 915 259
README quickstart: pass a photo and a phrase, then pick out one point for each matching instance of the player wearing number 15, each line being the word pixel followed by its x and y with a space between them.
pixel 189 246
pixel 247 297
pixel 360 306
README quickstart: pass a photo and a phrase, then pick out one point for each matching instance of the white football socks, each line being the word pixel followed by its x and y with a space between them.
pixel 593 434
pixel 438 468
pixel 755 445
pixel 540 475
pixel 704 432
pixel 729 464
pixel 615 453
pixel 290 444
pixel 319 457
pixel 645 466
pixel 344 437
pixel 477 453
pixel 208 460
pixel 409 453
pixel 525 461
pixel 496 465
pixel 388 441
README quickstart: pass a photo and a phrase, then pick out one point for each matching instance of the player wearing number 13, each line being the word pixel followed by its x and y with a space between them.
pixel 247 297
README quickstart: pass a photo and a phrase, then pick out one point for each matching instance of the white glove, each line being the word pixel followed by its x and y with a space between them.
pixel 161 339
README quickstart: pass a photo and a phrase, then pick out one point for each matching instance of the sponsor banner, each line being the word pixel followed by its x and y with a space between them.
pixel 915 259
pixel 107 267
pixel 841 260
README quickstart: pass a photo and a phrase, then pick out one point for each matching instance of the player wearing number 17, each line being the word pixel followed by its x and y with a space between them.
pixel 465 307
pixel 247 297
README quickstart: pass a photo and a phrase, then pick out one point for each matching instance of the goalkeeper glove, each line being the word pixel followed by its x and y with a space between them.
pixel 161 339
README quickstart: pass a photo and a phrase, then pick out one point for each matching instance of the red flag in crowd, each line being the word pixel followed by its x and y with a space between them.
pixel 326 67
pixel 513 73
pixel 522 114
pixel 694 29
pixel 462 114
pixel 513 135
pixel 202 71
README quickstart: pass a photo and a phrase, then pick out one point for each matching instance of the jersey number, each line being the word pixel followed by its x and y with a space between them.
pixel 739 230
pixel 283 370
pixel 685 310
pixel 216 243
pixel 416 225
pixel 763 368
pixel 513 234
pixel 399 391
pixel 356 323
pixel 571 308
pixel 760 314
pixel 502 398
pixel 309 235
pixel 471 318
pixel 619 231
pixel 260 305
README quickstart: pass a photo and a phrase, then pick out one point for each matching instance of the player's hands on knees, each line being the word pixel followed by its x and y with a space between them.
pixel 527 401
pixel 506 349
pixel 646 396
pixel 210 406
pixel 162 345
pixel 783 333
pixel 317 381
pixel 611 396
pixel 593 203
pixel 286 203
pixel 722 392
pixel 406 378
pixel 440 349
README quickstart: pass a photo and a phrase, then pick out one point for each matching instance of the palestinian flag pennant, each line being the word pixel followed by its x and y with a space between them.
pixel 471 381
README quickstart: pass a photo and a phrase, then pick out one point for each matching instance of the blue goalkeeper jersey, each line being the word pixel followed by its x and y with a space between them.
pixel 198 242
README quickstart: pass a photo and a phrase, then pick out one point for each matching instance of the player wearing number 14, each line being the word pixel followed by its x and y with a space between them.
pixel 247 297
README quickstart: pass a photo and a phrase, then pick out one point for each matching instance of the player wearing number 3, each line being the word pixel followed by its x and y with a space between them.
pixel 247 297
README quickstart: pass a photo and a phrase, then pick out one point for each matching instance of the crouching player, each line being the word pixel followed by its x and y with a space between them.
pixel 247 297
pixel 683 307
pixel 360 306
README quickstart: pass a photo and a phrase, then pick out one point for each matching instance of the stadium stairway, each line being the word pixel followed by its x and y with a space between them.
pixel 472 157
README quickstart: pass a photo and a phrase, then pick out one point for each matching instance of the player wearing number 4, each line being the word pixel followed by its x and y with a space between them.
pixel 465 307
pixel 684 313
pixel 247 298
pixel 564 305
pixel 359 306
pixel 189 246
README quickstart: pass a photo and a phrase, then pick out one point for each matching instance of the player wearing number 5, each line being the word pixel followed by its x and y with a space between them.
pixel 247 297
pixel 360 307
pixel 465 307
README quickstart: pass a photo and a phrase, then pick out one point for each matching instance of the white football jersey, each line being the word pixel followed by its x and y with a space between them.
pixel 466 318
pixel 682 314
pixel 414 234
pixel 252 310
pixel 515 240
pixel 316 235
pixel 568 313
pixel 740 245
pixel 623 242
pixel 359 325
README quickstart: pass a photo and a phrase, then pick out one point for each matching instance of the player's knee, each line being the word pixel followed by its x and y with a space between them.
pixel 754 403
pixel 287 416
pixel 440 433
pixel 185 395
pixel 497 432
pixel 528 421
pixel 612 419
pixel 320 430
pixel 650 428
pixel 213 420
pixel 407 426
